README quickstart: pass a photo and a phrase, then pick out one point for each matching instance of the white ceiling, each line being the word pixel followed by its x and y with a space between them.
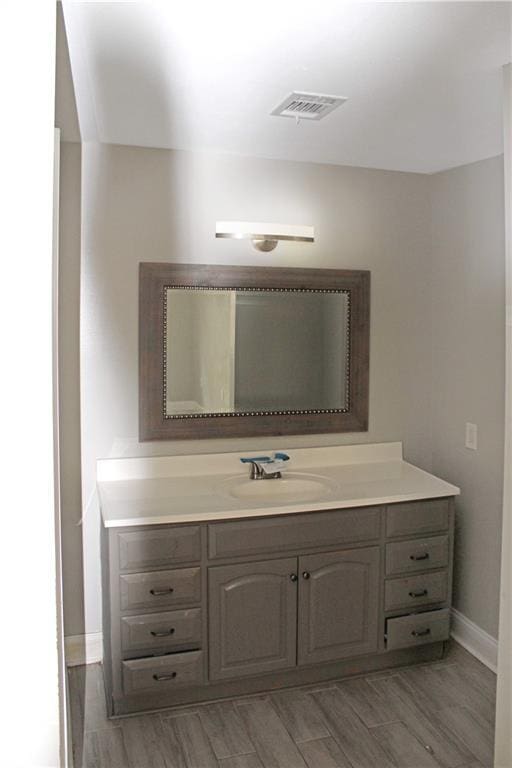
pixel 423 80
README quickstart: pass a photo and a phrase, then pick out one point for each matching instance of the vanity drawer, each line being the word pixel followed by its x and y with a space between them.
pixel 158 547
pixel 291 532
pixel 418 629
pixel 418 517
pixel 416 590
pixel 158 630
pixel 162 673
pixel 417 555
pixel 160 588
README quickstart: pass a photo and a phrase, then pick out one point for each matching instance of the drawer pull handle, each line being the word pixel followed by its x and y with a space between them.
pixel 420 632
pixel 424 556
pixel 419 593
pixel 163 678
pixel 306 575
pixel 163 633
pixel 159 592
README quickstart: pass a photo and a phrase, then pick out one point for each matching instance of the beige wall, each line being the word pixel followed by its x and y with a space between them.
pixel 69 384
pixel 158 205
pixel 468 371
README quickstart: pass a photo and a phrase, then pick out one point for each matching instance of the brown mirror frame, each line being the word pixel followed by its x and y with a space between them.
pixel 155 278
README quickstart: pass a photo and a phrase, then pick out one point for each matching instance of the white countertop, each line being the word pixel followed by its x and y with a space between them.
pixel 186 489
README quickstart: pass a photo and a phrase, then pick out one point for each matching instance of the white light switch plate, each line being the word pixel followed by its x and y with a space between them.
pixel 471 436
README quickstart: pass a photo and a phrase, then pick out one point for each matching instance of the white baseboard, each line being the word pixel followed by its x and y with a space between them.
pixel 475 640
pixel 83 649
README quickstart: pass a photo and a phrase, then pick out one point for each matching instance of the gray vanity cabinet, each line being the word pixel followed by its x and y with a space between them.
pixel 230 607
pixel 253 617
pixel 338 605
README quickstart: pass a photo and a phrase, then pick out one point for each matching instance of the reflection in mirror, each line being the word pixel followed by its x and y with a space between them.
pixel 255 351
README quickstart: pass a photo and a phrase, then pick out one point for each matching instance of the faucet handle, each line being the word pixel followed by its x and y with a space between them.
pixel 276 464
pixel 265 466
pixel 255 459
pixel 277 456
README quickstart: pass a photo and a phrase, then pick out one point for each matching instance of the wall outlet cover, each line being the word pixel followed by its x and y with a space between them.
pixel 471 436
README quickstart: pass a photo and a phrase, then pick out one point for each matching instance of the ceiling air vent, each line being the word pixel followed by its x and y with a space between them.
pixel 307 106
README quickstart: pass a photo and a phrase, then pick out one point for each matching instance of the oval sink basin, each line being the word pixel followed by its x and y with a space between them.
pixel 290 487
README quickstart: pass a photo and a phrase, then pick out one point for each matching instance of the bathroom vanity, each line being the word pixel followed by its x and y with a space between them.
pixel 216 585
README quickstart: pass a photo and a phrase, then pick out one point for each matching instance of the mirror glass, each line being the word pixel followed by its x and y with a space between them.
pixel 229 351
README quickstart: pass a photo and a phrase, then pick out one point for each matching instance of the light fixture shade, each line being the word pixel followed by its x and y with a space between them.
pixel 261 232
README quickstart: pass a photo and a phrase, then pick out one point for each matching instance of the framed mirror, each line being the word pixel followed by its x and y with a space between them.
pixel 239 351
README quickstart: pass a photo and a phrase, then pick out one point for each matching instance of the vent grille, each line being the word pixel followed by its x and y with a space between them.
pixel 307 106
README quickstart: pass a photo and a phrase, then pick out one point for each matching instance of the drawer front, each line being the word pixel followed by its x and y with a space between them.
pixel 416 590
pixel 418 629
pixel 160 588
pixel 158 547
pixel 276 534
pixel 418 518
pixel 163 673
pixel 161 630
pixel 417 555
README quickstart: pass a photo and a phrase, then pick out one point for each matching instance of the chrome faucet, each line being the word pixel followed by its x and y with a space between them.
pixel 260 466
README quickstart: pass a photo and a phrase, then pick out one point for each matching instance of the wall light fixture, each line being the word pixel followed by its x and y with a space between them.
pixel 264 236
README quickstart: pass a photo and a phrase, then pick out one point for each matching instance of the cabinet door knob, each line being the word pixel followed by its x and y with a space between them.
pixel 159 592
pixel 306 574
pixel 424 556
pixel 419 593
pixel 293 577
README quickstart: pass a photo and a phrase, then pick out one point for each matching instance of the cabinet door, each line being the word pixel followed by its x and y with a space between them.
pixel 253 618
pixel 338 604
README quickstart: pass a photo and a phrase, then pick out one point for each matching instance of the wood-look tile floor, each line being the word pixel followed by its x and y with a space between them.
pixel 438 715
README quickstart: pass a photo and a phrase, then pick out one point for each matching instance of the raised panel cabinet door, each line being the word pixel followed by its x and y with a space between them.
pixel 338 605
pixel 253 618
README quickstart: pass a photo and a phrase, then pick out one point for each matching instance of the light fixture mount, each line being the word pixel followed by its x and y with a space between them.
pixel 263 245
pixel 264 236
